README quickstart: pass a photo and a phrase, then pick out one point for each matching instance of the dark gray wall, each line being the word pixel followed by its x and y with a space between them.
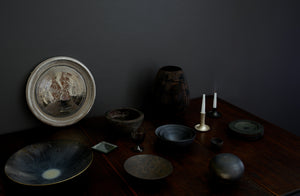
pixel 248 51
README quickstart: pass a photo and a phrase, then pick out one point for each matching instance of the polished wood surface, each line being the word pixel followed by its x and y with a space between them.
pixel 272 164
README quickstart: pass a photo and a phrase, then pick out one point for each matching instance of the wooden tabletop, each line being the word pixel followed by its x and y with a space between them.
pixel 272 163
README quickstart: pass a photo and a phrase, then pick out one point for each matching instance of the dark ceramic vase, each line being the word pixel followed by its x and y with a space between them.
pixel 171 91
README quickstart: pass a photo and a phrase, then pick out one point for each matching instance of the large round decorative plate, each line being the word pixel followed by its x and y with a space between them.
pixel 247 129
pixel 48 163
pixel 148 167
pixel 60 91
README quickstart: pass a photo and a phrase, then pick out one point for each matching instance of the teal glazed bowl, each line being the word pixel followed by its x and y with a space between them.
pixel 175 135
pixel 48 163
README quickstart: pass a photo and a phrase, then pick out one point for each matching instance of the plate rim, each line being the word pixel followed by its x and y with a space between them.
pixel 82 111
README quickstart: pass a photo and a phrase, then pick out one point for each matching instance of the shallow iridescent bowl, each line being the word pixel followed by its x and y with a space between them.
pixel 48 163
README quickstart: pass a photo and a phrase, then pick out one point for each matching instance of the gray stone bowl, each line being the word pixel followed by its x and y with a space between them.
pixel 124 120
pixel 148 167
pixel 48 163
pixel 175 135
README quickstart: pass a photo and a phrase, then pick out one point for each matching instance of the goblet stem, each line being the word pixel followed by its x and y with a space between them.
pixel 139 149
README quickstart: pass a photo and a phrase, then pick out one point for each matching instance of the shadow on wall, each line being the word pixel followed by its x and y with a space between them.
pixel 140 86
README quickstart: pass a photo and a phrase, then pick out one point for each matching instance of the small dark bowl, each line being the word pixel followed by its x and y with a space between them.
pixel 125 120
pixel 216 143
pixel 48 163
pixel 175 135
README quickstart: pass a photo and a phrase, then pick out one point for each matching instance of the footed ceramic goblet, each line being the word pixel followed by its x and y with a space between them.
pixel 138 137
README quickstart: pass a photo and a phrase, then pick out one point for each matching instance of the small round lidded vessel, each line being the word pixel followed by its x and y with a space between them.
pixel 125 120
pixel 226 168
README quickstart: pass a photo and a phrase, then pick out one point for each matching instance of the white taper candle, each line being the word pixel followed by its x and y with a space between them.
pixel 215 101
pixel 203 104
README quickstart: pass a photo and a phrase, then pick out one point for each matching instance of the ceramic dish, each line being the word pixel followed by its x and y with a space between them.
pixel 48 163
pixel 247 129
pixel 175 134
pixel 60 91
pixel 148 167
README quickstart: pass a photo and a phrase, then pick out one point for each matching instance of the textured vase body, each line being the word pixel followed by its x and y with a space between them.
pixel 171 91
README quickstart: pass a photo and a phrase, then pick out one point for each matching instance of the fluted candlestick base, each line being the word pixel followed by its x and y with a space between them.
pixel 202 126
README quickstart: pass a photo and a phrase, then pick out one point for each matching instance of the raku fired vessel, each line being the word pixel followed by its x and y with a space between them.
pixel 124 120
